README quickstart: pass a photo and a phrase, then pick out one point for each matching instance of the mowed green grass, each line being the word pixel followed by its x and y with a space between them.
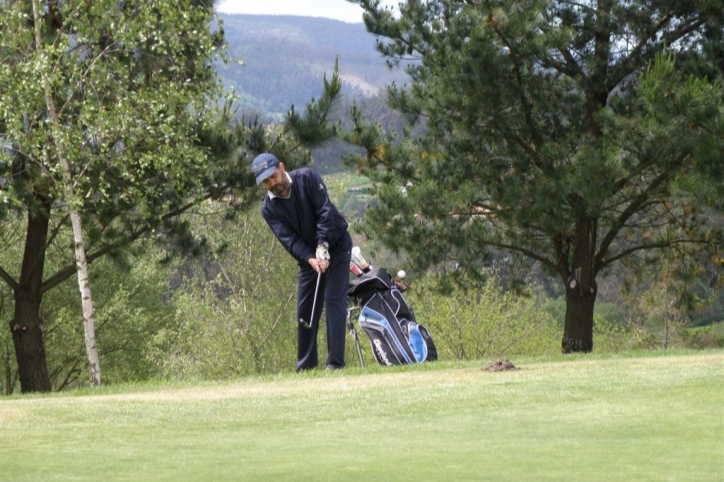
pixel 649 417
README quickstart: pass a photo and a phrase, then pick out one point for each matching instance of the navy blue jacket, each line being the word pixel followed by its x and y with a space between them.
pixel 305 220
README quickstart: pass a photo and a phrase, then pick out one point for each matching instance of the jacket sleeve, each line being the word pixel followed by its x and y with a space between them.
pixel 324 209
pixel 291 241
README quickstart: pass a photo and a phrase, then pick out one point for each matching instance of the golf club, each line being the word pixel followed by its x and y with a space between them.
pixel 359 260
pixel 305 324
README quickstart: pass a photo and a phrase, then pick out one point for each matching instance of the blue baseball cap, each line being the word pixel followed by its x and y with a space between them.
pixel 263 166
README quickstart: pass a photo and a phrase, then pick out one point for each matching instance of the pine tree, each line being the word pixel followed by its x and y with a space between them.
pixel 573 134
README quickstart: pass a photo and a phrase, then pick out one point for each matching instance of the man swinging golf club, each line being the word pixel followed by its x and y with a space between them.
pixel 299 212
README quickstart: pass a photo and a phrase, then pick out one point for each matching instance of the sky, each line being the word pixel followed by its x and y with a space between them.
pixel 336 9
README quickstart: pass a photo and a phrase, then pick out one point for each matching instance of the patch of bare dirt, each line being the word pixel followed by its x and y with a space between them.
pixel 500 366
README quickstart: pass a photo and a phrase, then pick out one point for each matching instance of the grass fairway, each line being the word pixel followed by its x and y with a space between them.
pixel 642 417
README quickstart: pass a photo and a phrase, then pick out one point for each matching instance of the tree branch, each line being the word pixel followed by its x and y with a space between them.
pixel 619 184
pixel 82 79
pixel 528 253
pixel 525 105
pixel 623 69
pixel 69 269
pixel 570 68
pixel 56 230
pixel 632 208
pixel 8 279
pixel 572 64
pixel 641 247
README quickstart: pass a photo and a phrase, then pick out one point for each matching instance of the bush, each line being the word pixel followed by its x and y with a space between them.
pixel 235 311
pixel 610 335
pixel 221 338
pixel 129 309
pixel 484 323
pixel 710 336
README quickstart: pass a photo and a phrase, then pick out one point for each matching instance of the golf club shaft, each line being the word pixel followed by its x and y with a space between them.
pixel 314 303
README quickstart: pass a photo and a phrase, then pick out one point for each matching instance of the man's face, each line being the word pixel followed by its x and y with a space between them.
pixel 277 183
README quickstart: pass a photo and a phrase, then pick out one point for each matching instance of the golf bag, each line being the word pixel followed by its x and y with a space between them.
pixel 395 335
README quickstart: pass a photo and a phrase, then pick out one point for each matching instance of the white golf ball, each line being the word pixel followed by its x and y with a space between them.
pixel 401 273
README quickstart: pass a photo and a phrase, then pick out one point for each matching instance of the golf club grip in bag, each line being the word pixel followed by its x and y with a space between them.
pixel 395 335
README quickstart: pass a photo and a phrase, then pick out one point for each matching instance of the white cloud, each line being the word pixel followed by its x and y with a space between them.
pixel 336 9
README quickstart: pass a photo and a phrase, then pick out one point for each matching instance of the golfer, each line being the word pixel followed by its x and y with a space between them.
pixel 299 212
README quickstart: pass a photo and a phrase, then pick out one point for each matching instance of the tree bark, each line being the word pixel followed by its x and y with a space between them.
pixel 89 319
pixel 581 289
pixel 27 326
pixel 578 331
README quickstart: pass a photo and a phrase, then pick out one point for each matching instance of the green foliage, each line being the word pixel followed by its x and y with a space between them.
pixel 612 336
pixel 130 84
pixel 129 308
pixel 217 339
pixel 485 322
pixel 712 312
pixel 610 312
pixel 235 309
pixel 711 336
pixel 353 200
pixel 130 120
pixel 129 299
pixel 556 308
pixel 133 306
pixel 558 132
pixel 107 129
pixel 135 92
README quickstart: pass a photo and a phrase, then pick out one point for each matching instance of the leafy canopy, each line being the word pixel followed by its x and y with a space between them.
pixel 545 120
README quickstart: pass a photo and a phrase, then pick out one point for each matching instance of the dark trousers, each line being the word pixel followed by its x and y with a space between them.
pixel 332 293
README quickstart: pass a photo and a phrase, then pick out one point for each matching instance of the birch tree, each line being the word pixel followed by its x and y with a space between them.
pixel 101 105
pixel 69 194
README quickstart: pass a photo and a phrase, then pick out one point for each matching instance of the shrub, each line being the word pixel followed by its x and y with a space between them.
pixel 483 323
pixel 610 335
pixel 710 336
pixel 235 311
pixel 129 310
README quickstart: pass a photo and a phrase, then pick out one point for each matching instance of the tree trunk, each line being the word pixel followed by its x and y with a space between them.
pixel 581 289
pixel 26 326
pixel 80 257
pixel 578 331
pixel 86 300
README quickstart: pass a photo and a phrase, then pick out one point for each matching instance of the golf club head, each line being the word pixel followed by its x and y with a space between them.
pixel 304 323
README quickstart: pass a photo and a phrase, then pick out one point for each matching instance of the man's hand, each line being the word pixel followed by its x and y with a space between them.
pixel 322 253
pixel 317 265
pixel 321 261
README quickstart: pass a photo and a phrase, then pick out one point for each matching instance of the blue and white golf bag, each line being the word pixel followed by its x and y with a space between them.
pixel 395 335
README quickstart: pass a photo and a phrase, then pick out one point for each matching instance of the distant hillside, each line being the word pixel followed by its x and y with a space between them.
pixel 285 58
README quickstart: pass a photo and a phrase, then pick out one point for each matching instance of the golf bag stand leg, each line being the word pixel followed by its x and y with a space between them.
pixel 353 332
